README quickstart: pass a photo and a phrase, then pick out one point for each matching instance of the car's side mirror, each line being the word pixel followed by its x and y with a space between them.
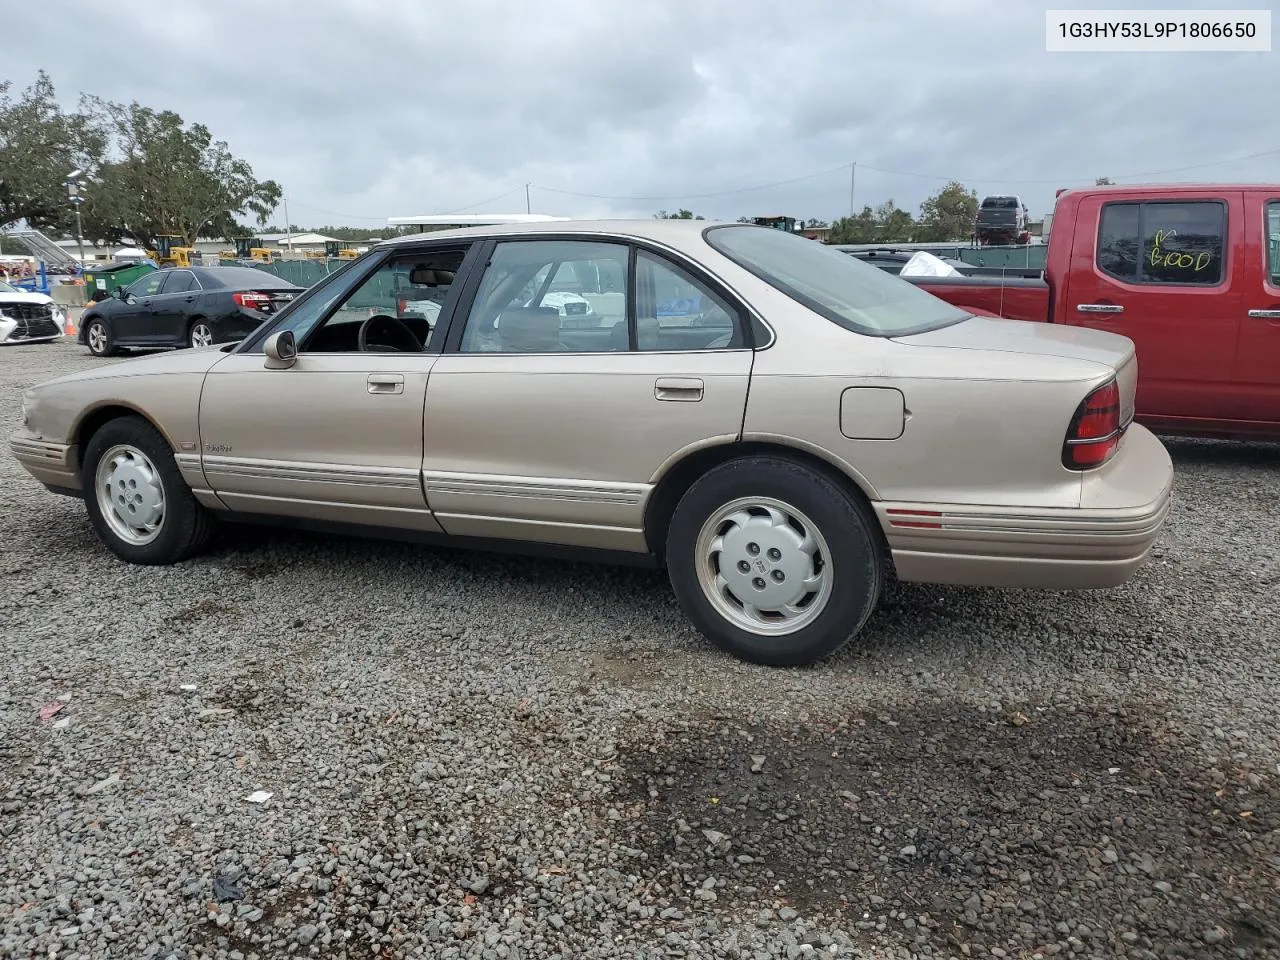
pixel 281 350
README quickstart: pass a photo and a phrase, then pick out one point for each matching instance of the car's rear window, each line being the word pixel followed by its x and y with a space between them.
pixel 853 294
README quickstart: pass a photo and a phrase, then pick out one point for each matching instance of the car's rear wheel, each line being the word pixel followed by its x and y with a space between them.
pixel 138 503
pixel 98 338
pixel 774 562
pixel 201 334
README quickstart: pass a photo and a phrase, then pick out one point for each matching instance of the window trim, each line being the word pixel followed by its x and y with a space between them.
pixel 1140 280
pixel 747 317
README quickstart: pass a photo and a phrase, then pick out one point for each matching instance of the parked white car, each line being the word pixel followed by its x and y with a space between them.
pixel 28 317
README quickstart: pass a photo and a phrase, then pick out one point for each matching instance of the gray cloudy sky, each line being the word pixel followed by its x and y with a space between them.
pixel 365 110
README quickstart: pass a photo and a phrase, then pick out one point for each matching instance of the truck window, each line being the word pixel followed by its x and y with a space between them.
pixel 1176 242
pixel 1273 241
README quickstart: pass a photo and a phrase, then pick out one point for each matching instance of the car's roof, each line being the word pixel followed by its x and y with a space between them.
pixel 653 229
pixel 237 277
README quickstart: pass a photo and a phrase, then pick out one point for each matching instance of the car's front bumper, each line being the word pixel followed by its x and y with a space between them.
pixel 53 464
pixel 1099 544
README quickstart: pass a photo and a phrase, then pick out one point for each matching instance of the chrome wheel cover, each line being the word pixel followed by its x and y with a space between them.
pixel 201 335
pixel 130 494
pixel 97 337
pixel 764 566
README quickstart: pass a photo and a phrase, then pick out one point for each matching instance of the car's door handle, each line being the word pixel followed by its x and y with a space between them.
pixel 1265 314
pixel 386 383
pixel 678 388
pixel 1099 308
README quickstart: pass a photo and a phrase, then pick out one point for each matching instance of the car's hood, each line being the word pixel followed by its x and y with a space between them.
pixel 1025 337
pixel 177 362
pixel 23 296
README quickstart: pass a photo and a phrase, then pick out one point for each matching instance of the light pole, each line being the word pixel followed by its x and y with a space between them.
pixel 73 191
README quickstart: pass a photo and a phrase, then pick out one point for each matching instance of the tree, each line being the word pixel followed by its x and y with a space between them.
pixel 893 225
pixel 40 145
pixel 166 178
pixel 1103 182
pixel 681 215
pixel 859 229
pixel 948 214
pixel 811 223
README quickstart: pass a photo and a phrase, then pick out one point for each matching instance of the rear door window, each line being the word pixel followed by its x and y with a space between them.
pixel 180 281
pixel 1163 242
pixel 1273 242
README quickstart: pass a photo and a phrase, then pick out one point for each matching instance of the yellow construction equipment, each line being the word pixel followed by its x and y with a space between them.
pixel 334 250
pixel 170 254
pixel 251 248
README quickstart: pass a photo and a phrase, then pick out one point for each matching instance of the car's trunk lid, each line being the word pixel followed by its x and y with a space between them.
pixel 1043 340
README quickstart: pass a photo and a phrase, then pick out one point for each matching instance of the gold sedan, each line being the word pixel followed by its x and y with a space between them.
pixel 779 425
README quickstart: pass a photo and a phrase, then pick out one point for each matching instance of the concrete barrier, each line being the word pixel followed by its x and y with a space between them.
pixel 69 294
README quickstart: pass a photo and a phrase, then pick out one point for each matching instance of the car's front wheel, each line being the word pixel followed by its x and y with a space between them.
pixel 98 338
pixel 138 503
pixel 775 562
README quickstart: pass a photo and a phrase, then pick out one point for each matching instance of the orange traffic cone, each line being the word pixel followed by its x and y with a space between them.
pixel 70 328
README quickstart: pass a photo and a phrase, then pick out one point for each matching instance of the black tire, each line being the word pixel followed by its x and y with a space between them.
pixel 108 348
pixel 186 526
pixel 856 562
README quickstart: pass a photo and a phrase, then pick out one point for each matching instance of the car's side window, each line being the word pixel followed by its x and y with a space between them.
pixel 1163 242
pixel 1273 241
pixel 551 296
pixel 674 311
pixel 180 281
pixel 148 285
pixel 397 306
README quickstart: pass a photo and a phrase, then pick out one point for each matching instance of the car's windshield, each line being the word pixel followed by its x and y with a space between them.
pixel 5 288
pixel 841 288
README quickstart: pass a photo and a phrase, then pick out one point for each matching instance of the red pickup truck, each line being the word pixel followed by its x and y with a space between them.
pixel 1190 273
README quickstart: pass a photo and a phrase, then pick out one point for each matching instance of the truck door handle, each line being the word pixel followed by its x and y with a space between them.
pixel 1099 308
pixel 386 383
pixel 1265 314
pixel 678 388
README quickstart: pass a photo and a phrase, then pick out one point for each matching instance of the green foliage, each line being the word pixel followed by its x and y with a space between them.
pixel 1103 182
pixel 682 214
pixel 948 214
pixel 887 223
pixel 40 144
pixel 164 177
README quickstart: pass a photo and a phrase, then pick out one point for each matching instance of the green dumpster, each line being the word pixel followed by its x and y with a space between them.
pixel 102 282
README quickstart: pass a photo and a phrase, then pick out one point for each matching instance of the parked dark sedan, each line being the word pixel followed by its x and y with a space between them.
pixel 181 307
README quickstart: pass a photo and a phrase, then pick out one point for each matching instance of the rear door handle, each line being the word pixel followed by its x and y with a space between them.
pixel 386 383
pixel 1099 308
pixel 1265 314
pixel 678 388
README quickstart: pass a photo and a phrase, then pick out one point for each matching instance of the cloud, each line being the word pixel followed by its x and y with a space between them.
pixel 364 110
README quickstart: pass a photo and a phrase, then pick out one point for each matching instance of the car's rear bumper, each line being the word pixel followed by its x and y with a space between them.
pixel 1099 544
pixel 53 464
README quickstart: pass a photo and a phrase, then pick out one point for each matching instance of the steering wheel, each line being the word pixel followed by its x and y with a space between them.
pixel 389 329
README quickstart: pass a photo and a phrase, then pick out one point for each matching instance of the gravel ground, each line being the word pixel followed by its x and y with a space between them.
pixel 479 756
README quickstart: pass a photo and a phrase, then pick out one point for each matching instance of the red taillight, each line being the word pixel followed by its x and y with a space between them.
pixel 252 300
pixel 1094 433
